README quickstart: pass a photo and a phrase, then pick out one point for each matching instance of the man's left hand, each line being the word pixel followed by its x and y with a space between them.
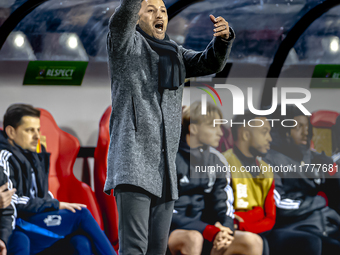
pixel 221 26
pixel 71 206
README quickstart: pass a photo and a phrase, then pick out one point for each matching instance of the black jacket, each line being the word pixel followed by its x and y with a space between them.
pixel 204 198
pixel 7 215
pixel 17 164
pixel 296 188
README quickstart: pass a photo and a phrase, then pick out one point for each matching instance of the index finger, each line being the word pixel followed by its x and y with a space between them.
pixel 212 18
pixel 4 187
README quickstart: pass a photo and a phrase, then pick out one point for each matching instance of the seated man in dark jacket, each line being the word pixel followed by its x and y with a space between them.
pixel 300 175
pixel 42 220
pixel 202 221
pixel 252 182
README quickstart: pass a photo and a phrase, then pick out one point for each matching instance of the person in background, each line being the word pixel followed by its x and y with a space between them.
pixel 304 223
pixel 252 182
pixel 202 221
pixel 43 223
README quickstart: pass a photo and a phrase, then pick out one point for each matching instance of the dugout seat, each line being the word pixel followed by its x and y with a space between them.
pixel 323 122
pixel 62 182
pixel 107 203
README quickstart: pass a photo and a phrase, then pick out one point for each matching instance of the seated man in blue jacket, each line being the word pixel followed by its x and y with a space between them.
pixel 202 221
pixel 42 221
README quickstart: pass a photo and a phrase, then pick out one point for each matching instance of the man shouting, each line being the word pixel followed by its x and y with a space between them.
pixel 147 72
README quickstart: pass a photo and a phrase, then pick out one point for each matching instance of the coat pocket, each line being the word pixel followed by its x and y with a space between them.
pixel 134 113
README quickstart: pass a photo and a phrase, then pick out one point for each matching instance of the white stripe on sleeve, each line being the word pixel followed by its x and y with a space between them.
pixel 285 203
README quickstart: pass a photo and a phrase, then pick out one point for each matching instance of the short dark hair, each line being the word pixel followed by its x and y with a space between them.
pixel 15 112
pixel 248 115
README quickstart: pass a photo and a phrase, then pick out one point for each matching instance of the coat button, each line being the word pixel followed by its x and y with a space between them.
pixel 163 150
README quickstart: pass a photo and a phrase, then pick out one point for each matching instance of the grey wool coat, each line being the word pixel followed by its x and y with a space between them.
pixel 141 116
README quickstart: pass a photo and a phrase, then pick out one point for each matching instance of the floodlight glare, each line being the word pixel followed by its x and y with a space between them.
pixel 334 45
pixel 19 40
pixel 72 42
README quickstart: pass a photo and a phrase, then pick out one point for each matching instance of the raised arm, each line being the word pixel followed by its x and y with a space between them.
pixel 214 58
pixel 122 25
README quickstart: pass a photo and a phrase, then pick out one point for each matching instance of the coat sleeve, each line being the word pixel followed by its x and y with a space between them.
pixel 222 194
pixel 7 221
pixel 212 60
pixel 258 220
pixel 7 215
pixel 122 26
pixel 24 204
pixel 7 218
pixel 223 198
pixel 218 199
pixel 181 221
pixel 27 206
pixel 291 205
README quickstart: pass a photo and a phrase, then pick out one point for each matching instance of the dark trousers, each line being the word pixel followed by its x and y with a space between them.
pixel 144 221
pixel 317 234
pixel 76 233
pixel 293 242
pixel 20 244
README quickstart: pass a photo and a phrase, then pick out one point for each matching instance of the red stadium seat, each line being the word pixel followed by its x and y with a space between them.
pixel 322 122
pixel 323 119
pixel 107 203
pixel 62 182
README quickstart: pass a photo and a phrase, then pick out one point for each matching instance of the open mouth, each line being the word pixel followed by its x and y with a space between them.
pixel 159 26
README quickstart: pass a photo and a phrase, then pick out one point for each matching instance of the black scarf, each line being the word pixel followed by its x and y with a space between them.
pixel 170 67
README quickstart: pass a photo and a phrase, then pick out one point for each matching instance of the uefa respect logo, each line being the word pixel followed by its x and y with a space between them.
pixel 239 102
